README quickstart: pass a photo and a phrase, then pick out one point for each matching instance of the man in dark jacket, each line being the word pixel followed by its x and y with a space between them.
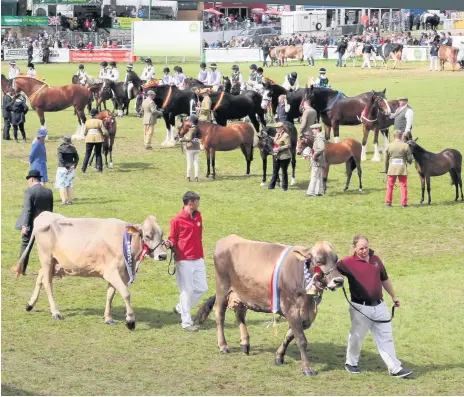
pixel 341 49
pixel 30 50
pixel 266 51
pixel 7 102
pixel 37 199
pixel 18 110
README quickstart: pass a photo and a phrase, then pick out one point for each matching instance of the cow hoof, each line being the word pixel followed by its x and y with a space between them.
pixel 225 351
pixel 109 322
pixel 245 349
pixel 309 372
pixel 29 307
pixel 57 316
pixel 130 325
pixel 279 361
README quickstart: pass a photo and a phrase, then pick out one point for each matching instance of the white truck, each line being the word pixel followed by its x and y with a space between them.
pixel 303 21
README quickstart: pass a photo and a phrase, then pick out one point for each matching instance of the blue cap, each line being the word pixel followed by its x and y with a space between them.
pixel 42 133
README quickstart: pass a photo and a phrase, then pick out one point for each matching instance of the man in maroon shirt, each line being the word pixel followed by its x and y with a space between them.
pixel 366 276
pixel 185 239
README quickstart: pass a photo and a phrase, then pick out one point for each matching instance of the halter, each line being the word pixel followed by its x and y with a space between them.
pixel 168 98
pixel 219 102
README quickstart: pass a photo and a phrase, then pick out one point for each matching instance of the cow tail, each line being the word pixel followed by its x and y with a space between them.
pixel 27 251
pixel 205 309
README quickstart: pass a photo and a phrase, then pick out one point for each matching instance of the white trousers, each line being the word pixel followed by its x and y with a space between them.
pixel 381 332
pixel 433 61
pixel 191 281
pixel 367 61
pixel 193 157
pixel 316 185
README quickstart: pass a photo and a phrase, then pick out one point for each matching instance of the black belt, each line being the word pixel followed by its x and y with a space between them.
pixel 367 303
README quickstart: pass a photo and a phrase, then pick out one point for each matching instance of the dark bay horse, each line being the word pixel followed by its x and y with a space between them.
pixel 430 164
pixel 347 151
pixel 109 121
pixel 216 138
pixel 44 98
pixel 266 147
pixel 121 99
pixel 226 106
pixel 273 91
pixel 337 109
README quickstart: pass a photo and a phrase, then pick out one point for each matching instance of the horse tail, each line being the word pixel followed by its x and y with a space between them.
pixel 205 309
pixel 27 251
pixel 352 164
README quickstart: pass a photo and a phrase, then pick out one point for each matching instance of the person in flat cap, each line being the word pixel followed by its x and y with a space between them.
pixel 37 199
pixel 316 184
pixel 404 117
pixel 282 156
pixel 150 115
pixel 38 155
pixel 68 158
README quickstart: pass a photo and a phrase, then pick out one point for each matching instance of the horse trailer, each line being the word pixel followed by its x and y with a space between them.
pixel 303 21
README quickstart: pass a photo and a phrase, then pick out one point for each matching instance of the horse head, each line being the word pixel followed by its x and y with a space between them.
pixel 183 129
pixel 267 97
pixel 304 141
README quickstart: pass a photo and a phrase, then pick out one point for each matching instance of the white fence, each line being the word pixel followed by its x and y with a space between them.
pixel 56 55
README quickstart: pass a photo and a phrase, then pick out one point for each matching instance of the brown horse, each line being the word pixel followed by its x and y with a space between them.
pixel 44 98
pixel 6 84
pixel 109 121
pixel 216 138
pixel 435 164
pixel 376 117
pixel 347 151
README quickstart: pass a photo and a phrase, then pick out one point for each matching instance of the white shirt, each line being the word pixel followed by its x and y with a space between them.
pixel 287 85
pixel 409 115
pixel 203 76
pixel 167 79
pixel 240 78
pixel 31 73
pixel 214 78
pixel 80 73
pixel 113 74
pixel 103 73
pixel 13 72
pixel 179 79
pixel 148 73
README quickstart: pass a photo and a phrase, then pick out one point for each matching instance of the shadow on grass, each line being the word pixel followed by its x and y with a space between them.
pixel 13 391
pixel 436 204
pixel 128 167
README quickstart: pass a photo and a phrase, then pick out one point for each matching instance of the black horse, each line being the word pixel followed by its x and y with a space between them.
pixel 294 99
pixel 121 100
pixel 226 106
pixel 234 90
pixel 430 20
pixel 266 147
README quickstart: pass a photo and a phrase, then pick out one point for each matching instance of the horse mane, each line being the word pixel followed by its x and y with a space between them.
pixel 21 76
pixel 134 77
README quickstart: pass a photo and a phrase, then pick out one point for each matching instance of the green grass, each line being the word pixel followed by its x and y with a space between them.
pixel 422 248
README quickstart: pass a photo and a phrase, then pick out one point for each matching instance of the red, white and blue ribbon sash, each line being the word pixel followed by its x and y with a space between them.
pixel 275 293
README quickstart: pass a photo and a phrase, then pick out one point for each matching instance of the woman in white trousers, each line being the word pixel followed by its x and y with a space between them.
pixel 192 147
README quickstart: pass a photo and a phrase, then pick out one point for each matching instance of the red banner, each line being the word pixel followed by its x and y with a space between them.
pixel 111 54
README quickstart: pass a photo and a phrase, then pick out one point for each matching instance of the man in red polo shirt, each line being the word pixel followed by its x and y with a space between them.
pixel 185 238
pixel 366 276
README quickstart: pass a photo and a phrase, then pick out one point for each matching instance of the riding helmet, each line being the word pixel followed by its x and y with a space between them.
pixel 253 67
pixel 177 69
pixel 202 65
pixel 213 66
pixel 148 60
pixel 129 66
pixel 81 66
pixel 193 119
pixel 166 70
pixel 93 112
pixel 294 75
pixel 235 67
pixel 104 64
pixel 322 70
pixel 113 64
pixel 260 70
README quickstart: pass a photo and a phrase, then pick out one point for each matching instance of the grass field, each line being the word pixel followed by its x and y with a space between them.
pixel 422 247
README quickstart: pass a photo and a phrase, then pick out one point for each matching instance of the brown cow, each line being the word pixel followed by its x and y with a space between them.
pixel 90 247
pixel 448 54
pixel 244 272
pixel 292 52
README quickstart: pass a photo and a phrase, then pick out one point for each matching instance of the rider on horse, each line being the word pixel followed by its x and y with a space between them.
pixel 236 78
pixel 322 81
pixel 214 77
pixel 203 74
pixel 128 84
pixel 291 82
pixel 260 80
pixel 253 75
pixel 103 70
pixel 148 71
pixel 179 78
pixel 113 73
pixel 81 72
pixel 167 79
pixel 14 70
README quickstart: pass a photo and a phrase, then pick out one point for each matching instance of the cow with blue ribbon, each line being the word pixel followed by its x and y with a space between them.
pixel 271 278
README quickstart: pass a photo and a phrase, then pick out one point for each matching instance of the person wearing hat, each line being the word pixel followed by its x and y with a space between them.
pixel 38 156
pixel 31 72
pixel 68 158
pixel 291 82
pixel 396 157
pixel 214 77
pixel 403 116
pixel 148 72
pixel 316 184
pixel 205 108
pixel 203 73
pixel 179 77
pixel 167 78
pixel 253 75
pixel 113 72
pixel 18 109
pixel 367 51
pixel 322 80
pixel 37 199
pixel 94 132
pixel 81 72
pixel 103 70
pixel 150 114
pixel 8 100
pixel 14 70
pixel 237 77
pixel 282 156
pixel 192 147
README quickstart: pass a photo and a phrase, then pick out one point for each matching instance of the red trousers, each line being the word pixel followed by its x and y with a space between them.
pixel 403 188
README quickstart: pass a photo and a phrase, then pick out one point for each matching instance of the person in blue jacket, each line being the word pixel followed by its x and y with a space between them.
pixel 38 156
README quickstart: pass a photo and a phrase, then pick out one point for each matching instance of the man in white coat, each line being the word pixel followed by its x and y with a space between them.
pixel 214 77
